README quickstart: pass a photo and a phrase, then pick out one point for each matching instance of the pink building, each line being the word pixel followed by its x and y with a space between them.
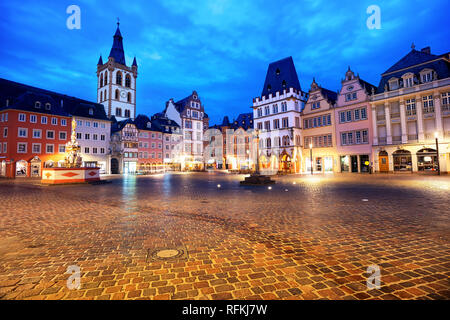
pixel 353 124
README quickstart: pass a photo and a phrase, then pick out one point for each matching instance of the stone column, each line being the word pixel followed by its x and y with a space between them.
pixel 387 113
pixel 403 122
pixel 420 118
pixel 438 114
pixel 374 125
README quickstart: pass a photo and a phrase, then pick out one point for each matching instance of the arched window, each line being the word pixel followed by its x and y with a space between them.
pixel 106 78
pixel 127 113
pixel 118 112
pixel 101 80
pixel 116 96
pixel 105 95
pixel 101 95
pixel 268 143
pixel 129 97
pixel 119 78
pixel 37 105
pixel 128 81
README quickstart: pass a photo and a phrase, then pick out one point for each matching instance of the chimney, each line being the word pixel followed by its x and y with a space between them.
pixel 426 50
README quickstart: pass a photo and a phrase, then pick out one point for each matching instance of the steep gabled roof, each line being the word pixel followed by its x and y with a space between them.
pixel 244 120
pixel 331 96
pixel 367 86
pixel 281 75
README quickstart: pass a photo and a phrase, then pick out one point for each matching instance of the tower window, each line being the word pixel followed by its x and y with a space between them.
pixel 127 113
pixel 128 81
pixel 129 97
pixel 116 96
pixel 118 112
pixel 106 78
pixel 101 96
pixel 101 80
pixel 119 78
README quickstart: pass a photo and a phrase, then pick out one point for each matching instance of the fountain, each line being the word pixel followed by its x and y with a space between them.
pixel 72 172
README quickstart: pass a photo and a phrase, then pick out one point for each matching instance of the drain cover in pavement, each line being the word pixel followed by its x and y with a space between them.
pixel 167 254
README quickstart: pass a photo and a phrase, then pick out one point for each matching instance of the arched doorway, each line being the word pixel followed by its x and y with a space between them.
pixel 402 161
pixel 427 160
pixel 383 160
pixel 114 166
pixel 285 163
pixel 35 167
pixel 21 168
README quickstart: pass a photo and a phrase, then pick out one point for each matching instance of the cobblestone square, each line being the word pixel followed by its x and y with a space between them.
pixel 305 238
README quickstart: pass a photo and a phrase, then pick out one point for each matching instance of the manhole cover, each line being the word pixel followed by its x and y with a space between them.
pixel 167 254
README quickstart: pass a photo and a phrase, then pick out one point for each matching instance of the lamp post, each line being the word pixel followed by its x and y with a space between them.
pixel 437 152
pixel 257 152
pixel 310 157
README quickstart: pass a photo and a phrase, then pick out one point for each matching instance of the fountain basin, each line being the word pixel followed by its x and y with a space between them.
pixel 70 175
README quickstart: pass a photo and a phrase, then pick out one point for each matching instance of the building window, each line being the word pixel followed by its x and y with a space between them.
pixel 410 107
pixel 102 150
pixel 118 112
pixel 116 94
pixel 21 147
pixel 49 148
pixel 94 150
pixel 94 137
pixel 266 110
pixel 33 118
pixel 364 113
pixel 428 105
pixel 48 106
pixel 427 77
pixel 357 114
pixel 283 107
pixel 61 148
pixel 343 138
pixel 64 122
pixel 409 82
pixel 5 132
pixel 349 116
pixel 62 135
pixel 315 105
pixel 102 137
pixel 275 108
pixel 54 121
pixel 285 122
pixel 119 78
pixel 37 133
pixel 5 147
pixel 36 148
pixel 87 136
pixel 50 134
pixel 86 150
pixel 22 117
pixel 79 136
pixel 23 133
pixel 44 120
pixel 276 124
pixel 127 113
pixel 37 105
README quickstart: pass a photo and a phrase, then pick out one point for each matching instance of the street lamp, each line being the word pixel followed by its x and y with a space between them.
pixel 310 157
pixel 437 152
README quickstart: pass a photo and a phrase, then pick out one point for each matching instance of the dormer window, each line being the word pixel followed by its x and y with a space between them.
pixel 269 87
pixel 426 75
pixel 278 72
pixel 48 106
pixel 91 111
pixel 408 80
pixel 149 124
pixel 393 84
pixel 284 83
pixel 37 105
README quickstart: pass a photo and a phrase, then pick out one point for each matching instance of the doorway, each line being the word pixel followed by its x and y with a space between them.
pixel 114 166
pixel 402 161
pixel 21 168
pixel 35 167
pixel 383 160
pixel 354 163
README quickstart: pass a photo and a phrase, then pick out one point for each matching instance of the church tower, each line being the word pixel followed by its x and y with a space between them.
pixel 116 85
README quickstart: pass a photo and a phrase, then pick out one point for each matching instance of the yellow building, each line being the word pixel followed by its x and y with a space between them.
pixel 319 131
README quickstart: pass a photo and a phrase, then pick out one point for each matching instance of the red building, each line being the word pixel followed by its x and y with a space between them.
pixel 150 147
pixel 34 129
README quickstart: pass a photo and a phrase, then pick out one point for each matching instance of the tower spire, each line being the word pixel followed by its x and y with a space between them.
pixel 117 51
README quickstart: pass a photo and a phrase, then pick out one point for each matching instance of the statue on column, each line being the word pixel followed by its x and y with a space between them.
pixel 73 159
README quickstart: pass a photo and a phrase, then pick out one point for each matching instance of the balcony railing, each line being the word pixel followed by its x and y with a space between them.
pixel 445 107
pixel 396 139
pixel 395 115
pixel 382 140
pixel 413 137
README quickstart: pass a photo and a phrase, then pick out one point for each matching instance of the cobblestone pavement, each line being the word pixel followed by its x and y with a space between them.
pixel 306 238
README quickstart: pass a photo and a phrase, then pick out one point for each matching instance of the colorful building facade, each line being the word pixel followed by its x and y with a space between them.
pixel 353 125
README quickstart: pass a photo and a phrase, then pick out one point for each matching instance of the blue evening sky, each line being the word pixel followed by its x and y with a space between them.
pixel 219 48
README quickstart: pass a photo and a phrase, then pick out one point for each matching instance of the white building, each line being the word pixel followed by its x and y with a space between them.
pixel 410 109
pixel 93 134
pixel 277 117
pixel 190 115
pixel 116 85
